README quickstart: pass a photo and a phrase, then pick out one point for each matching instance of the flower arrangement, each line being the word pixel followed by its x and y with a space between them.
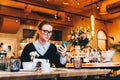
pixel 79 37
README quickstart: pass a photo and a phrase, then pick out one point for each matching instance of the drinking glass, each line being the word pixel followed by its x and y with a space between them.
pixel 15 65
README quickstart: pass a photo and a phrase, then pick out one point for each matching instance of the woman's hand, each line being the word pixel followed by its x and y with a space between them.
pixel 62 50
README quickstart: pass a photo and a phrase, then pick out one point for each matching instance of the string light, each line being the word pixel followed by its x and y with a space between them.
pixel 92 24
pixel 56 15
pixel 68 18
pixel 97 6
pixel 92 20
pixel 82 18
pixel 16 20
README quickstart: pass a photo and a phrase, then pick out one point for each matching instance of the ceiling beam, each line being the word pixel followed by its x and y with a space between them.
pixel 92 3
pixel 38 20
pixel 114 9
pixel 18 13
pixel 35 4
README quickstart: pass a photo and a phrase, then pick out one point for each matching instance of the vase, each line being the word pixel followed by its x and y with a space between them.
pixel 75 51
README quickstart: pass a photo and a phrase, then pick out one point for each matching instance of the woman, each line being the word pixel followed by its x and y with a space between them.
pixel 45 49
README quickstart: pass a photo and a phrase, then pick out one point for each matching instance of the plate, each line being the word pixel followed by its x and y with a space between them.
pixel 51 69
pixel 32 70
pixel 27 70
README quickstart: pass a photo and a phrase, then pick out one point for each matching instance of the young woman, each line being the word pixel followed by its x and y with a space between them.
pixel 45 49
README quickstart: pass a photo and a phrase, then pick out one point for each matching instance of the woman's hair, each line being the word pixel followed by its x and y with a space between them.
pixel 43 23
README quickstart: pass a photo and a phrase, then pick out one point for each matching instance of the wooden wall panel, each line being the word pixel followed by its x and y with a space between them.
pixel 9 25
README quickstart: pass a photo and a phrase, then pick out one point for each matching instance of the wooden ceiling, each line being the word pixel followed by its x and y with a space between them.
pixel 64 10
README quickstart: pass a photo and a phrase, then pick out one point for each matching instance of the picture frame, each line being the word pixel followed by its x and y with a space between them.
pixel 28 33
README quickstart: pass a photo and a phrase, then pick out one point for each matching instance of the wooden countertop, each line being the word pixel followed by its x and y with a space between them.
pixel 59 72
pixel 106 65
pixel 83 72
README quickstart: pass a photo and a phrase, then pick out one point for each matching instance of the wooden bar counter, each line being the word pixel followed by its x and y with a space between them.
pixel 54 74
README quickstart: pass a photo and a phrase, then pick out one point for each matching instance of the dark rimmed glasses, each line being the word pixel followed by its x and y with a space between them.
pixel 46 32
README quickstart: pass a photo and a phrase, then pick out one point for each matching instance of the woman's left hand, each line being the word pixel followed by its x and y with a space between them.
pixel 62 50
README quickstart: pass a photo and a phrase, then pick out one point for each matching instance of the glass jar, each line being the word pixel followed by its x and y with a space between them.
pixel 77 63
pixel 15 65
pixel 2 60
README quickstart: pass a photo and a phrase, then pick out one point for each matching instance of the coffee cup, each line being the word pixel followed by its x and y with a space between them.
pixel 27 65
pixel 45 66
pixel 35 61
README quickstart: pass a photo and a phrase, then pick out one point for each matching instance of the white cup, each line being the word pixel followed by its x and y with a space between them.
pixel 35 61
pixel 27 65
pixel 45 66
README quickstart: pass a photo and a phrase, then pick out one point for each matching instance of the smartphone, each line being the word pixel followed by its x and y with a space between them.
pixel 63 43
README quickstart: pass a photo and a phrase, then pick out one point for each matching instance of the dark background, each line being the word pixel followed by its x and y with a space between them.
pixel 56 36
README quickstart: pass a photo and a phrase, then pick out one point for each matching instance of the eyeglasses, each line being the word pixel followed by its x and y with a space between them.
pixel 47 32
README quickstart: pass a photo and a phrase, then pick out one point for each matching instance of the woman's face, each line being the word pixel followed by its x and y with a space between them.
pixel 45 33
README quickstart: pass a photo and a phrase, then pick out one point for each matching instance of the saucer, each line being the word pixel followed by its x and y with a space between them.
pixel 51 69
pixel 26 70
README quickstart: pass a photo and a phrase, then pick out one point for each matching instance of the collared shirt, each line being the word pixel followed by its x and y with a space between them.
pixel 43 48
